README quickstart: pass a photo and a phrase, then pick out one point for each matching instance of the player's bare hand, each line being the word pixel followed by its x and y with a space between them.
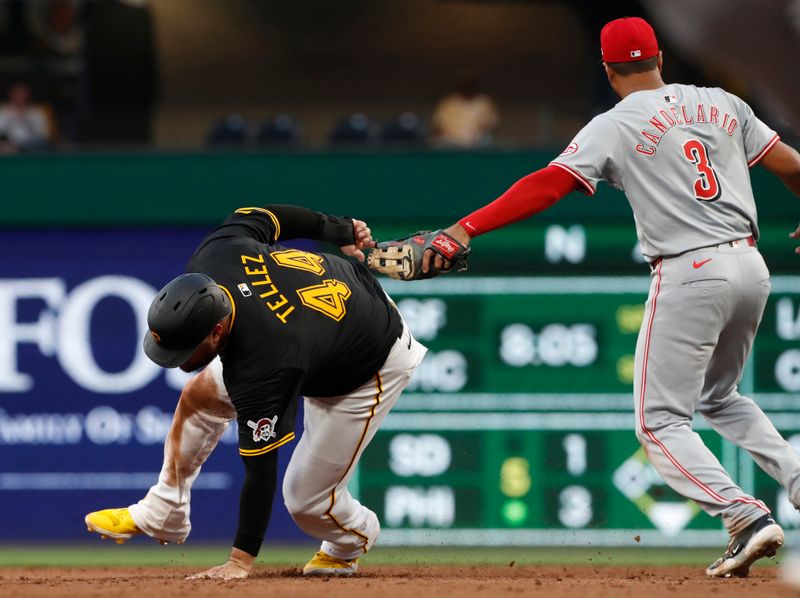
pixel 224 572
pixel 238 567
pixel 431 258
pixel 796 235
pixel 364 239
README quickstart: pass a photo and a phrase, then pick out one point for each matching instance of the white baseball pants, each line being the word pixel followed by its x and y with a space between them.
pixel 700 321
pixel 336 432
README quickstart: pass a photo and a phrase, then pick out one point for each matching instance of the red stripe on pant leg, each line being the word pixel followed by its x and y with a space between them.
pixel 643 390
pixel 753 501
pixel 647 347
pixel 649 433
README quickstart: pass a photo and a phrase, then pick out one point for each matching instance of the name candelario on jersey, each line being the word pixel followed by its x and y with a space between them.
pixel 682 116
pixel 266 289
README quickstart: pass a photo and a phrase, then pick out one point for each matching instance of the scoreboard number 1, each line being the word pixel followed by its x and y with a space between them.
pixel 575 448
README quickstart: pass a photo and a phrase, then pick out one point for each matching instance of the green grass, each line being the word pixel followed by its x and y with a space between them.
pixel 111 555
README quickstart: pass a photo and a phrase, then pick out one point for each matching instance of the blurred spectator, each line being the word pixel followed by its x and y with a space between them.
pixel 281 130
pixel 23 125
pixel 405 130
pixel 355 129
pixel 231 131
pixel 466 117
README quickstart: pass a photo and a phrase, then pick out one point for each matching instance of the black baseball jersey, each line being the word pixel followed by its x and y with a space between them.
pixel 303 323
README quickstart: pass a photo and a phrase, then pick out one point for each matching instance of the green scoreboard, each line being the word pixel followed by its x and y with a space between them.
pixel 518 427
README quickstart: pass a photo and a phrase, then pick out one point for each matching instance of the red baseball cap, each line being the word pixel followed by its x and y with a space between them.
pixel 629 39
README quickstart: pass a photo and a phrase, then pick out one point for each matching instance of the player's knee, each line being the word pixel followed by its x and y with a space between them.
pixel 642 437
pixel 299 504
pixel 291 494
pixel 307 521
pixel 305 513
pixel 303 508
pixel 291 501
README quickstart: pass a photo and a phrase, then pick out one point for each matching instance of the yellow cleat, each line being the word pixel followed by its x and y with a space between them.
pixel 323 565
pixel 112 523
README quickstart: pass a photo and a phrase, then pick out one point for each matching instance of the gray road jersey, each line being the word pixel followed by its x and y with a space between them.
pixel 681 155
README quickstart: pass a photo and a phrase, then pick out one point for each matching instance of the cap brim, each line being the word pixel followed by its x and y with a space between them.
pixel 166 358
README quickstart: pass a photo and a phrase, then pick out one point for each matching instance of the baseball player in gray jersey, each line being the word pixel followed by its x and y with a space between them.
pixel 681 154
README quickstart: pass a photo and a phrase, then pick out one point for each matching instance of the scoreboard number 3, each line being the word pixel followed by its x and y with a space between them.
pixel 575 510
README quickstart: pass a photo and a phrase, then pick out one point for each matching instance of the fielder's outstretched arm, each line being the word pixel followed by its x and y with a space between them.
pixel 530 195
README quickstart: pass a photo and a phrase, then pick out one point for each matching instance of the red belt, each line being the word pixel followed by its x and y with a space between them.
pixel 747 241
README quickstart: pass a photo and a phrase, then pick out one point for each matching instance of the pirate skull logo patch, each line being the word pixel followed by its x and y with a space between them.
pixel 263 429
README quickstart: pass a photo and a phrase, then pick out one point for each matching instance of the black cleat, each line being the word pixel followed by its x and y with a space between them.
pixel 761 538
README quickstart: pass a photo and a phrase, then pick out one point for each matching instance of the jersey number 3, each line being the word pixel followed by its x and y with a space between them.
pixel 706 186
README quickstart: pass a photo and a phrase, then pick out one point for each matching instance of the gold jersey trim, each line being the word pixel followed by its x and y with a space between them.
pixel 272 216
pixel 265 449
pixel 233 307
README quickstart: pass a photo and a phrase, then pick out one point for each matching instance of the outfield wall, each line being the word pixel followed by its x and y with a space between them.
pixel 198 189
pixel 521 368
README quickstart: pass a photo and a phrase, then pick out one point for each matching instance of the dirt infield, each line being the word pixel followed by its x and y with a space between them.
pixel 390 582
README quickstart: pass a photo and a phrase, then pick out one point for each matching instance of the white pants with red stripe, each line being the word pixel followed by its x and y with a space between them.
pixel 700 320
pixel 336 432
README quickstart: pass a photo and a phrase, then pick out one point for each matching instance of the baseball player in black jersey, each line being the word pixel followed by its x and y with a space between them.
pixel 273 323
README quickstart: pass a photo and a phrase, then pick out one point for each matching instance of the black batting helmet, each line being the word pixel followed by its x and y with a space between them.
pixel 181 316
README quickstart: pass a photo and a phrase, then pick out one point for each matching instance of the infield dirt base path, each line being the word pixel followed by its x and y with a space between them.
pixel 391 582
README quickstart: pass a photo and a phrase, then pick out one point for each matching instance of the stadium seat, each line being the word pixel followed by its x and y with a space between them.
pixel 231 131
pixel 405 130
pixel 280 130
pixel 355 129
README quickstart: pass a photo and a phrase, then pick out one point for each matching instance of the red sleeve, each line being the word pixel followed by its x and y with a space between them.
pixel 528 196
